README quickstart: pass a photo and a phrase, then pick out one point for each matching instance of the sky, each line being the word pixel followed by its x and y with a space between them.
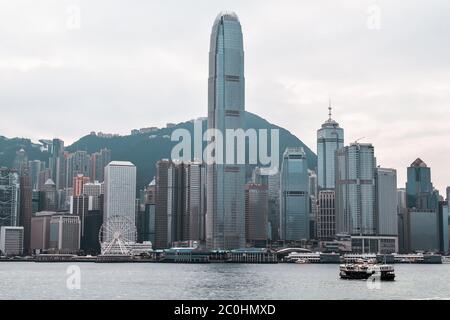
pixel 71 67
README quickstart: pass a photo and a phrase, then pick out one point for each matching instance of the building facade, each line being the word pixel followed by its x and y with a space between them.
pixel 26 209
pixel 9 197
pixel 65 234
pixel 225 217
pixel 294 200
pixel 120 191
pixel 195 199
pixel 40 231
pixel 355 190
pixel 329 139
pixel 162 204
pixel 256 214
pixel 326 215
pixel 386 201
pixel 11 241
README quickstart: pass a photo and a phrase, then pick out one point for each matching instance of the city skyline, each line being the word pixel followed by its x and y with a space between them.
pixel 173 211
pixel 378 88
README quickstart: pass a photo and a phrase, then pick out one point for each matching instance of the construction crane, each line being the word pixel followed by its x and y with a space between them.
pixel 356 141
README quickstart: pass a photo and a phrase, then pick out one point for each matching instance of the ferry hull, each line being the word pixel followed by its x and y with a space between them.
pixel 355 275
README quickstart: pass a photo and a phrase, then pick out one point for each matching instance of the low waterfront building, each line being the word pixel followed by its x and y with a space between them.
pixel 374 244
pixel 185 255
pixel 418 258
pixel 40 231
pixel 11 241
pixel 65 234
pixel 252 255
pixel 141 249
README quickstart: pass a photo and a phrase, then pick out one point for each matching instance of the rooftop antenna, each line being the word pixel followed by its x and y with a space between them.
pixel 329 108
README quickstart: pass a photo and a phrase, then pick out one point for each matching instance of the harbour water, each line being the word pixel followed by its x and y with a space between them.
pixel 29 280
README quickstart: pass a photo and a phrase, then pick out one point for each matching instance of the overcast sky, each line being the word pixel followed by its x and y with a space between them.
pixel 131 64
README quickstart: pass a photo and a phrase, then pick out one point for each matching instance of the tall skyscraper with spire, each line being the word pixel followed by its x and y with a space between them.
pixel 225 217
pixel 329 139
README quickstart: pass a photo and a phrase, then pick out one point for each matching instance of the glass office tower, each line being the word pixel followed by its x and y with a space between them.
pixel 329 139
pixel 225 217
pixel 355 190
pixel 294 200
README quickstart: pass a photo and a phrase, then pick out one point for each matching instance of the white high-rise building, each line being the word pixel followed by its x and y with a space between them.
pixel 120 190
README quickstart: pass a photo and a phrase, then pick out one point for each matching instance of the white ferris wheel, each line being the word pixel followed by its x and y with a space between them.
pixel 117 236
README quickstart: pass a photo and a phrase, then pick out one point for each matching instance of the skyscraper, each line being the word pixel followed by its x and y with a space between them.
pixel 256 214
pixel 423 212
pixel 386 201
pixel 420 193
pixel 176 202
pixel 44 175
pixel 98 162
pixel 57 163
pixel 162 204
pixel 294 201
pixel 26 194
pixel 9 197
pixel 195 202
pixel 78 182
pixel 21 162
pixel 120 191
pixel 64 234
pixel 265 176
pixel 447 194
pixel 402 214
pixel 355 190
pixel 93 190
pixel 329 139
pixel 225 217
pixel 35 167
pixel 77 163
pixel 48 199
pixel 326 217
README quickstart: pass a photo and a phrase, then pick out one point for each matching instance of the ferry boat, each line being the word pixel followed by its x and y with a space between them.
pixel 386 272
pixel 363 270
pixel 356 271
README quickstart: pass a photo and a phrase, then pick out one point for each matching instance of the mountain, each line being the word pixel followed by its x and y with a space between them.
pixel 9 147
pixel 144 150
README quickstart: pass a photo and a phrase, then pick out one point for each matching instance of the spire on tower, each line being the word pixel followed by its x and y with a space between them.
pixel 329 109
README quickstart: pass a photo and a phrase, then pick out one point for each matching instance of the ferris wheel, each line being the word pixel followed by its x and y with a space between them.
pixel 117 235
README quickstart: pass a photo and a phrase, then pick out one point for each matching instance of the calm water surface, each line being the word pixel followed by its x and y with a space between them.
pixel 29 280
